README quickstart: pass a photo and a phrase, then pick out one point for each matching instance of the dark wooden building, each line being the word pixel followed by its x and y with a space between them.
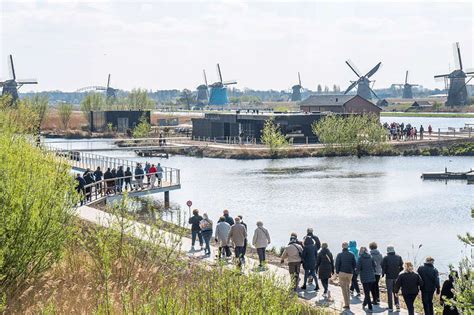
pixel 223 126
pixel 341 104
pixel 421 104
pixel 120 120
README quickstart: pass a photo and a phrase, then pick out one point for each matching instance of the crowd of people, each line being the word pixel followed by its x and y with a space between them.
pixel 351 265
pixel 402 132
pixel 114 180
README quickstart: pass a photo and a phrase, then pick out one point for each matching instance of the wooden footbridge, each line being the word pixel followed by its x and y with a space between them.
pixel 166 180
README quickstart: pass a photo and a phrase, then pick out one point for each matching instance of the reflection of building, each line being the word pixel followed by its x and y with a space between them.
pixel 344 104
pixel 120 120
pixel 225 126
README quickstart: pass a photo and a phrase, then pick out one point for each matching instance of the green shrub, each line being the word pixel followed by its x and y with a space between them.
pixel 143 129
pixel 272 137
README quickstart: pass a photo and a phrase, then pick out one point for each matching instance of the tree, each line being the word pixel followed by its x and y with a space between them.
pixel 39 103
pixel 437 106
pixel 138 99
pixel 187 98
pixel 326 89
pixel 142 130
pixel 272 136
pixel 355 134
pixel 320 89
pixel 93 101
pixel 65 111
pixel 36 205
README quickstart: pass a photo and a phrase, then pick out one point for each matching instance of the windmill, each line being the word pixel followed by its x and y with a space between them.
pixel 203 91
pixel 218 95
pixel 363 83
pixel 11 86
pixel 457 92
pixel 407 87
pixel 296 94
pixel 110 92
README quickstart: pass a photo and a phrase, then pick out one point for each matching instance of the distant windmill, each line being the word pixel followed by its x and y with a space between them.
pixel 203 91
pixel 407 87
pixel 296 94
pixel 110 92
pixel 363 83
pixel 218 95
pixel 11 86
pixel 457 92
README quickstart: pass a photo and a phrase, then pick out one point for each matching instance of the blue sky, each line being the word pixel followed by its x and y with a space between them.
pixel 162 45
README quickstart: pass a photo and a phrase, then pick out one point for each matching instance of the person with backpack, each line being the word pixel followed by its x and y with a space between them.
pixel 309 261
pixel 345 268
pixel 325 267
pixel 222 232
pixel 293 252
pixel 430 276
pixel 139 174
pixel 377 257
pixel 261 239
pixel 366 270
pixel 206 232
pixel 195 220
pixel 410 283
pixel 354 283
pixel 392 264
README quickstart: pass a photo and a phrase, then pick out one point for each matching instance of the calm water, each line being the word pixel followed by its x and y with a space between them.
pixel 436 122
pixel 378 199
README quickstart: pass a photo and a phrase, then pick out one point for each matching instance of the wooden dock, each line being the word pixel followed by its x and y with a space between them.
pixel 469 175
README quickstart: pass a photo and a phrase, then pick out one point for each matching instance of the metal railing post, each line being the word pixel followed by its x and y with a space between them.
pixel 439 134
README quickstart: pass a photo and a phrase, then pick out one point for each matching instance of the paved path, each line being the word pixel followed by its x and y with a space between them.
pixel 103 218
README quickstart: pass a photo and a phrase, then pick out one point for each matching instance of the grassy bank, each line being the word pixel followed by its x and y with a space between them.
pixel 440 115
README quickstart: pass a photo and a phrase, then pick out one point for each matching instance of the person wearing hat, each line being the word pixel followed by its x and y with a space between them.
pixel 392 265
pixel 430 276
pixel 293 252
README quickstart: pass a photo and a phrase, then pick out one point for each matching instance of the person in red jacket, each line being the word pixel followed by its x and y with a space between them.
pixel 152 175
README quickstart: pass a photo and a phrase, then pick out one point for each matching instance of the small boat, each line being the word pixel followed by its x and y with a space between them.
pixel 469 175
pixel 152 153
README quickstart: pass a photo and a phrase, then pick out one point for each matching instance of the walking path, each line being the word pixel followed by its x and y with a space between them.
pixel 138 230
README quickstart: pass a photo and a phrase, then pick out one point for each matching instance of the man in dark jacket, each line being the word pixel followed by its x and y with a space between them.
pixel 98 177
pixel 309 256
pixel 366 271
pixel 195 228
pixel 120 175
pixel 228 218
pixel 429 275
pixel 89 179
pixel 309 234
pixel 392 264
pixel 80 187
pixel 345 266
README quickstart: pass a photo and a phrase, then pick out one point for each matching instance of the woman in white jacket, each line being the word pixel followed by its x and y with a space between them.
pixel 261 239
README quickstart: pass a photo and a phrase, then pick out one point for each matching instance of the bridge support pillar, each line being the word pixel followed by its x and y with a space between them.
pixel 167 199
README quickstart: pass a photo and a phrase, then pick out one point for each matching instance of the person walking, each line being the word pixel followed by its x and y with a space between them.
pixel 345 267
pixel 308 257
pixel 309 234
pixel 195 220
pixel 377 257
pixel 206 232
pixel 128 178
pixel 238 234
pixel 354 283
pixel 261 239
pixel 392 264
pixel 109 183
pixel 147 170
pixel 113 180
pixel 222 232
pixel 120 178
pixel 409 282
pixel 89 179
pixel 430 130
pixel 245 241
pixel 422 130
pixel 293 252
pixel 447 294
pixel 151 174
pixel 325 267
pixel 228 218
pixel 430 276
pixel 98 178
pixel 159 174
pixel 139 174
pixel 366 269
pixel 80 183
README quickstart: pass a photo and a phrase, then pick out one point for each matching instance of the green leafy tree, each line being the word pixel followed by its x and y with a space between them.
pixel 355 134
pixel 187 98
pixel 92 101
pixel 39 103
pixel 437 106
pixel 143 129
pixel 272 136
pixel 35 203
pixel 138 99
pixel 65 112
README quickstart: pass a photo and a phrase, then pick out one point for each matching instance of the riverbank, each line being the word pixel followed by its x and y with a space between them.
pixel 445 147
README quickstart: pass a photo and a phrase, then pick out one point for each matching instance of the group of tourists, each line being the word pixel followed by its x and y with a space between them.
pixel 229 231
pixel 117 180
pixel 351 265
pixel 402 132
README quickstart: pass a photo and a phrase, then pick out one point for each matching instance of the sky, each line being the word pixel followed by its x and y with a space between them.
pixel 161 45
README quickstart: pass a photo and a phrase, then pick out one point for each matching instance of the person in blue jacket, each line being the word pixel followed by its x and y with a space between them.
pixel 355 284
